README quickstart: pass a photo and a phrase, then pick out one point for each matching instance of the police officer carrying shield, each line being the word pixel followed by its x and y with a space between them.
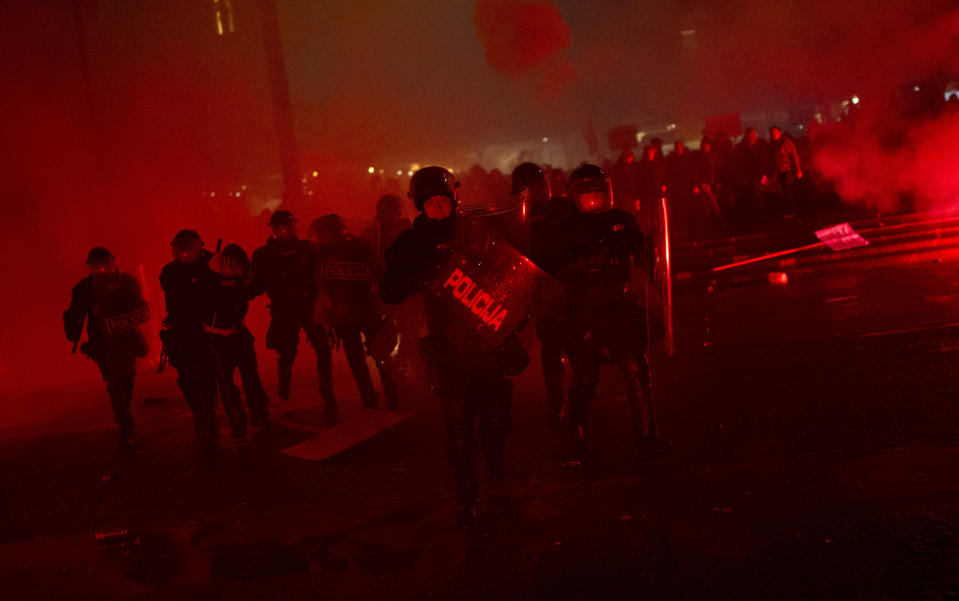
pixel 226 299
pixel 595 249
pixel 285 268
pixel 548 212
pixel 184 281
pixel 469 379
pixel 113 307
pixel 347 270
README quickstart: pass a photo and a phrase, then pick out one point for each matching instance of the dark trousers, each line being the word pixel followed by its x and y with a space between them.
pixel 283 336
pixel 120 391
pixel 467 397
pixel 237 353
pixel 619 329
pixel 350 336
pixel 195 363
pixel 787 183
pixel 551 337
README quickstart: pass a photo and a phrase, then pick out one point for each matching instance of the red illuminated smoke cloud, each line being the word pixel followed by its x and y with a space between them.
pixel 925 167
pixel 525 38
pixel 923 164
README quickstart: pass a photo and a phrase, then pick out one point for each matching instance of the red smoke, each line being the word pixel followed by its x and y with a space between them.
pixel 923 168
pixel 890 153
pixel 524 38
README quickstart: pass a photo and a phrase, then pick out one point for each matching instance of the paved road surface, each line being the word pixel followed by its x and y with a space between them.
pixel 815 435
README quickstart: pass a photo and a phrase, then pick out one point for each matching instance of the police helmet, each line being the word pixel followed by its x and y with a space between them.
pixel 525 175
pixel 186 239
pixel 590 189
pixel 432 181
pixel 389 202
pixel 586 171
pixel 282 217
pixel 98 255
pixel 329 224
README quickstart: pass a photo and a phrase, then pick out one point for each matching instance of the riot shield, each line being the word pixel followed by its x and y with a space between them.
pixel 657 287
pixel 120 310
pixel 489 285
pixel 118 303
pixel 508 218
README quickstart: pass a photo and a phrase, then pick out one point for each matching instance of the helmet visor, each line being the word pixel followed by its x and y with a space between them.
pixel 593 195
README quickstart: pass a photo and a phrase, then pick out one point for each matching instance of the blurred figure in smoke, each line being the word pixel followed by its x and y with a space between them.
pixel 530 183
pixel 596 246
pixel 706 188
pixel 625 178
pixel 346 276
pixel 752 156
pixel 657 144
pixel 113 307
pixel 469 378
pixel 387 225
pixel 680 173
pixel 183 281
pixel 785 167
pixel 226 297
pixel 285 269
pixel 651 176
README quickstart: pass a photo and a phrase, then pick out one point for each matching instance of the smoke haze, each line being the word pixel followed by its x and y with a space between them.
pixel 125 122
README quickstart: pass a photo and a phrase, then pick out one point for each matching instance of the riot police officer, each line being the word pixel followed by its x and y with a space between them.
pixel 597 245
pixel 113 307
pixel 530 183
pixel 347 270
pixel 183 281
pixel 468 375
pixel 226 299
pixel 285 268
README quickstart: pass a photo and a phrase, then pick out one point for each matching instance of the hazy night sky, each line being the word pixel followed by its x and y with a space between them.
pixel 413 75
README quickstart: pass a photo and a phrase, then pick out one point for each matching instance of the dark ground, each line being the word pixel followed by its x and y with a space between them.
pixel 815 435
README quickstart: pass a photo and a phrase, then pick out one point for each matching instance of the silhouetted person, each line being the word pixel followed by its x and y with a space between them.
pixel 113 307
pixel 548 211
pixel 651 176
pixel 598 243
pixel 470 380
pixel 347 271
pixel 183 281
pixel 785 167
pixel 625 179
pixel 226 299
pixel 752 158
pixel 680 172
pixel 706 188
pixel 285 268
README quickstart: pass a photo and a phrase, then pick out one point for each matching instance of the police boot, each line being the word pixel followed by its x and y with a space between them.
pixel 639 394
pixel 577 445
